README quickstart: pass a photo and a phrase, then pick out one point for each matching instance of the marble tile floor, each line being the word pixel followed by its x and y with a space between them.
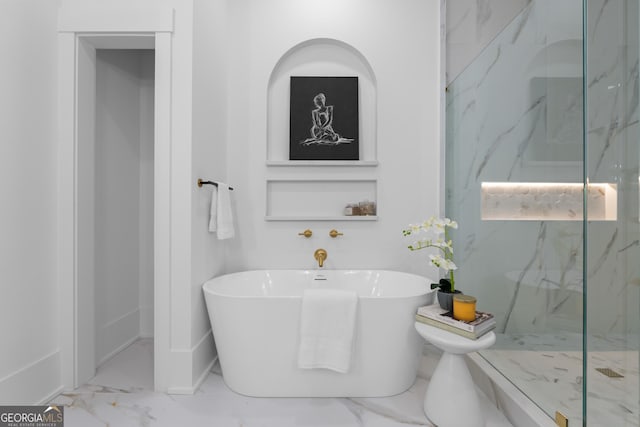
pixel 121 395
pixel 552 375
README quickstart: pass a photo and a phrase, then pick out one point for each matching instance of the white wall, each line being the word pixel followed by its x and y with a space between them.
pixel 29 360
pixel 146 200
pixel 123 206
pixel 208 254
pixel 178 359
pixel 222 55
pixel 234 52
pixel 401 42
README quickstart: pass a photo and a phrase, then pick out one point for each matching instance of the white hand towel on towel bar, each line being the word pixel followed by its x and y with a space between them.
pixel 327 329
pixel 221 215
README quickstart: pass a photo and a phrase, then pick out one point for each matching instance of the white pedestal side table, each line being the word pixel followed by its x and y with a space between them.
pixel 451 399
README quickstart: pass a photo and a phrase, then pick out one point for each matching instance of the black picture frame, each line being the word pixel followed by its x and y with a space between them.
pixel 324 118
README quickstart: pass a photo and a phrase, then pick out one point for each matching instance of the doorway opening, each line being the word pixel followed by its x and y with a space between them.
pixel 122 205
pixel 78 44
pixel 114 211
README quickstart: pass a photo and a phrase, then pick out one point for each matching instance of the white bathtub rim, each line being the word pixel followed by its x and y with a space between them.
pixel 207 286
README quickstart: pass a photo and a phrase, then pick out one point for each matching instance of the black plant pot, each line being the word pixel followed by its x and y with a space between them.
pixel 445 299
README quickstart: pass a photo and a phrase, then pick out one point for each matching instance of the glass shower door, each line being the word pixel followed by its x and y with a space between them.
pixel 514 183
pixel 550 105
pixel 612 267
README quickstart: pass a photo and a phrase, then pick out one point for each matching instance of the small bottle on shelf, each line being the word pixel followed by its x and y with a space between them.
pixel 348 210
pixel 367 208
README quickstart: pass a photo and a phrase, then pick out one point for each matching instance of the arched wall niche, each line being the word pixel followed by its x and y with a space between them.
pixel 320 57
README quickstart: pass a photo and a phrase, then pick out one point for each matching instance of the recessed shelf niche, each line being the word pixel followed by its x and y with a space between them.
pixel 540 201
pixel 318 199
pixel 320 57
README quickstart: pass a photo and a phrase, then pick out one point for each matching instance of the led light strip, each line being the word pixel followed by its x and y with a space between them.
pixel 547 201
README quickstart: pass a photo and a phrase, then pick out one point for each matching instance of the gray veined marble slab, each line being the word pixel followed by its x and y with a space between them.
pixel 113 399
pixel 548 369
pixel 471 25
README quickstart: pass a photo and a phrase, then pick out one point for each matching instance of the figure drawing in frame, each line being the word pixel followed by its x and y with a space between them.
pixel 322 132
pixel 324 118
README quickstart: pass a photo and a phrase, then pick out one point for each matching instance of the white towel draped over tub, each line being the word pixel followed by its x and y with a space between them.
pixel 327 329
pixel 221 216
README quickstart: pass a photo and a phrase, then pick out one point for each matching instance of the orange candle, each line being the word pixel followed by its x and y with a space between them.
pixel 464 307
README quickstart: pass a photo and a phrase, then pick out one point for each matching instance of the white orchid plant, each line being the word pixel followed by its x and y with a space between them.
pixel 436 235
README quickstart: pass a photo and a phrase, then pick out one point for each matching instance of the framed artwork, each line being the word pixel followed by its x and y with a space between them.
pixel 323 118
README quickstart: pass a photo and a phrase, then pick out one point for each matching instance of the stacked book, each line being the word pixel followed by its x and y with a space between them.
pixel 434 315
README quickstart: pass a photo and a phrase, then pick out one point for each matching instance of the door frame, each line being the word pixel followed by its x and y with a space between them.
pixel 75 44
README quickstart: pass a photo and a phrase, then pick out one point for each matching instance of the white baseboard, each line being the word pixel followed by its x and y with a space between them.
pixel 146 322
pixel 200 358
pixel 196 384
pixel 117 350
pixel 34 383
pixel 51 396
pixel 204 355
pixel 116 335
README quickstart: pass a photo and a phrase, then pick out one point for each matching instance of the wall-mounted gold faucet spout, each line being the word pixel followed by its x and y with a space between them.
pixel 320 255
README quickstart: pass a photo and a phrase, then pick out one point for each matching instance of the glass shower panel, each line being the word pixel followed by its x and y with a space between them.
pixel 612 247
pixel 514 183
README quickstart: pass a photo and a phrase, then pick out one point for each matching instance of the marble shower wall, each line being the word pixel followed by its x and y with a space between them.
pixel 613 270
pixel 515 115
pixel 471 25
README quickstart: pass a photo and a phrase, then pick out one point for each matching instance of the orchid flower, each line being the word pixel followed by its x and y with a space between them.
pixel 437 228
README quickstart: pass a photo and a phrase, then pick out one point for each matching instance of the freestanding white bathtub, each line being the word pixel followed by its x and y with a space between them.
pixel 255 316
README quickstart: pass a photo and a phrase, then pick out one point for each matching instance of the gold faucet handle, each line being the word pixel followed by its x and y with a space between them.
pixel 334 233
pixel 306 233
